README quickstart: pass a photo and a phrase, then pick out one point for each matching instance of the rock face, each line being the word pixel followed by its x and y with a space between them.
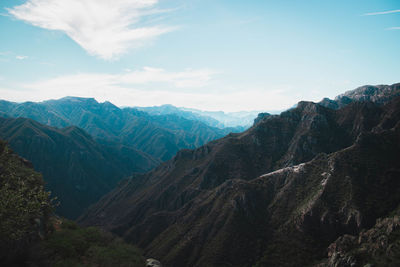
pixel 277 194
pixel 153 263
pixel 260 117
pixel 378 246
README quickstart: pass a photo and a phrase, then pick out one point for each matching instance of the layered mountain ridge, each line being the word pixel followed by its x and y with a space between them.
pixel 277 194
pixel 80 168
pixel 238 121
pixel 75 167
pixel 158 135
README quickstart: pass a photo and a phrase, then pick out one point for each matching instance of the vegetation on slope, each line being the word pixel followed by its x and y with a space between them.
pixel 24 204
pixel 71 245
pixel 75 167
pixel 29 236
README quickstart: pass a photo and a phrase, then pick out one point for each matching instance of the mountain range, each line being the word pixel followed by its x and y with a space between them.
pixel 316 185
pixel 78 168
pixel 282 193
pixel 160 136
pixel 230 119
pixel 238 121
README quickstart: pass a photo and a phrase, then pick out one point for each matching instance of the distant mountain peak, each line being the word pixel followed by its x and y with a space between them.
pixel 76 99
pixel 110 105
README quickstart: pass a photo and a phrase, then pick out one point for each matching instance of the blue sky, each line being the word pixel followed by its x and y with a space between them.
pixel 208 54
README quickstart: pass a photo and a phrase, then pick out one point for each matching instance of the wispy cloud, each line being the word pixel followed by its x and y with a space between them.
pixel 393 28
pixel 21 57
pixel 104 28
pixel 144 77
pixel 184 79
pixel 154 86
pixel 4 56
pixel 382 12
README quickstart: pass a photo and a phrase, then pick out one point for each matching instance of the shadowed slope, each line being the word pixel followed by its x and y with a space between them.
pixel 75 167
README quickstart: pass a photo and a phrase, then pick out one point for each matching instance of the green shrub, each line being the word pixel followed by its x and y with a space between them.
pixel 25 206
pixel 72 245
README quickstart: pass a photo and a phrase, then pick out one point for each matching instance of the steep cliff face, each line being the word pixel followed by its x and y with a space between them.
pixel 321 173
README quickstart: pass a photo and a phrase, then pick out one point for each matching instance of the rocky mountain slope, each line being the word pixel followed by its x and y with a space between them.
pixel 379 94
pixel 75 167
pixel 378 246
pixel 158 135
pixel 277 194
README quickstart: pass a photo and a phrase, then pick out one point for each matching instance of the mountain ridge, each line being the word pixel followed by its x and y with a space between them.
pixel 379 94
pixel 158 135
pixel 176 211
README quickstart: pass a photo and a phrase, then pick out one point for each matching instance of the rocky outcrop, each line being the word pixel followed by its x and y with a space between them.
pixel 153 263
pixel 260 117
pixel 378 246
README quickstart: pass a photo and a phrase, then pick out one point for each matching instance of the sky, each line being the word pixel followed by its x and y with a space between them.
pixel 228 55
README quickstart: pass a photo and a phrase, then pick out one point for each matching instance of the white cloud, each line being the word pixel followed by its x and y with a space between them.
pixel 145 77
pixel 382 13
pixel 393 28
pixel 104 28
pixel 21 57
pixel 185 79
pixel 153 86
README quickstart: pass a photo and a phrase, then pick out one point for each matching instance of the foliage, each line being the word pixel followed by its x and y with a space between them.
pixel 71 245
pixel 24 204
pixel 29 235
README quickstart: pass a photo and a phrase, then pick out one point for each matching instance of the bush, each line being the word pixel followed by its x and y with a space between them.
pixel 25 206
pixel 72 245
